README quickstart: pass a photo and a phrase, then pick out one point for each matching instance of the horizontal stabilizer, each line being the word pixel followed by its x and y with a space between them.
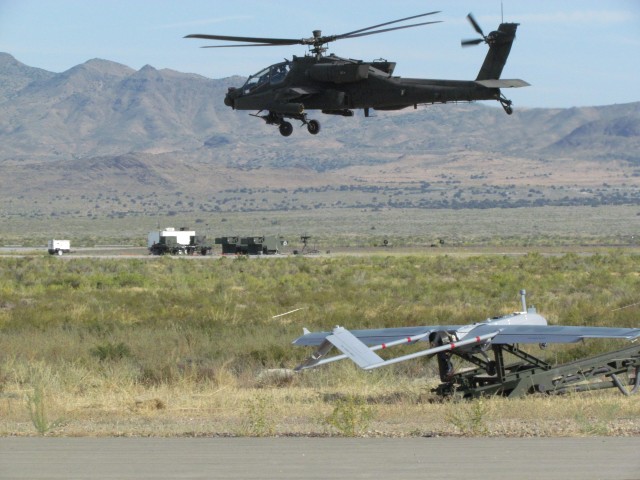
pixel 357 351
pixel 503 83
pixel 317 358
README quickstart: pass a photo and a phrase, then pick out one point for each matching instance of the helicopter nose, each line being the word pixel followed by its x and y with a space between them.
pixel 230 96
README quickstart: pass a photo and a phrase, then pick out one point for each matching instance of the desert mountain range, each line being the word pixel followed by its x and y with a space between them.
pixel 104 127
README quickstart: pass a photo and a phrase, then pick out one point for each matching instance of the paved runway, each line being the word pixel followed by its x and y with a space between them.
pixel 320 458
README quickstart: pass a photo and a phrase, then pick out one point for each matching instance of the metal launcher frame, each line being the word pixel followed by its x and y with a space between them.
pixel 530 374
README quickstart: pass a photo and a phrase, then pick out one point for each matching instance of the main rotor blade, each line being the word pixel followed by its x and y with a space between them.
pixel 315 41
pixel 387 30
pixel 386 23
pixel 475 25
pixel 245 45
pixel 265 41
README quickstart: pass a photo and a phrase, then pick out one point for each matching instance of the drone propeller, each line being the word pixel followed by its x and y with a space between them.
pixel 476 27
pixel 317 41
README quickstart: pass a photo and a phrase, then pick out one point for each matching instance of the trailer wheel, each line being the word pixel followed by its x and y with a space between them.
pixel 59 252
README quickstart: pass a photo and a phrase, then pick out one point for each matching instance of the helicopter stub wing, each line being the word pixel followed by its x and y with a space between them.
pixel 503 83
pixel 302 91
pixel 293 93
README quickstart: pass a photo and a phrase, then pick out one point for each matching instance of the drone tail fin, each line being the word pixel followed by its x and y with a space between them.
pixel 500 43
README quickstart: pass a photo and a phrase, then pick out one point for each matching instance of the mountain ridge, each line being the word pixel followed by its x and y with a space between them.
pixel 103 126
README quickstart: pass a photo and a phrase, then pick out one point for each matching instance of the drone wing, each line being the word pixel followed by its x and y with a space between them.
pixel 360 345
pixel 510 334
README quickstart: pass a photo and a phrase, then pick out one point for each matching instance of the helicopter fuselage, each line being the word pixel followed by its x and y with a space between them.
pixel 336 85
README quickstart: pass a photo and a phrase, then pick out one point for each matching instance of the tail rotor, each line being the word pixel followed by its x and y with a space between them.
pixel 476 27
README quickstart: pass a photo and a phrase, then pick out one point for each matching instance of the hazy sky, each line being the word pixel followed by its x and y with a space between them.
pixel 573 52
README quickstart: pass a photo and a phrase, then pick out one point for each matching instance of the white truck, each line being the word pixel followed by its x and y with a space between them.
pixel 176 242
pixel 58 247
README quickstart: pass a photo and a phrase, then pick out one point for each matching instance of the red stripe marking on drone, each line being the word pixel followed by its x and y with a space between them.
pixel 452 345
pixel 384 345
pixel 478 339
pixel 409 339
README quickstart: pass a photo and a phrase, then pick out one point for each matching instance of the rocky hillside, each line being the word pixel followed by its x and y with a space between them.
pixel 102 126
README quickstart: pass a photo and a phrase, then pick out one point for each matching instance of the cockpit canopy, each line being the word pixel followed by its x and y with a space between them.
pixel 274 74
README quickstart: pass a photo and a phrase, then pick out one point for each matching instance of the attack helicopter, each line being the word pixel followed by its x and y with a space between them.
pixel 338 86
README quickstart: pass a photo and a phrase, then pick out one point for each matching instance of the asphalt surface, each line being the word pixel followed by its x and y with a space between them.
pixel 320 458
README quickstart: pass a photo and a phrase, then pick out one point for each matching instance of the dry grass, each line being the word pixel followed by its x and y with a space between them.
pixel 332 228
pixel 79 403
pixel 167 347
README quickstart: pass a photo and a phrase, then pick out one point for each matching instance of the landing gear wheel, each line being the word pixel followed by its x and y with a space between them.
pixel 506 104
pixel 313 126
pixel 286 129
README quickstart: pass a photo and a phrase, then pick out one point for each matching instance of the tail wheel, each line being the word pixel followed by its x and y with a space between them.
pixel 506 104
pixel 313 126
pixel 286 129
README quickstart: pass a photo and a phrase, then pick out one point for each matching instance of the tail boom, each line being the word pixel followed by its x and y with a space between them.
pixel 499 42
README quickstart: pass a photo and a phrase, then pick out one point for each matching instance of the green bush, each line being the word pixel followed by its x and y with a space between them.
pixel 111 351
pixel 351 416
